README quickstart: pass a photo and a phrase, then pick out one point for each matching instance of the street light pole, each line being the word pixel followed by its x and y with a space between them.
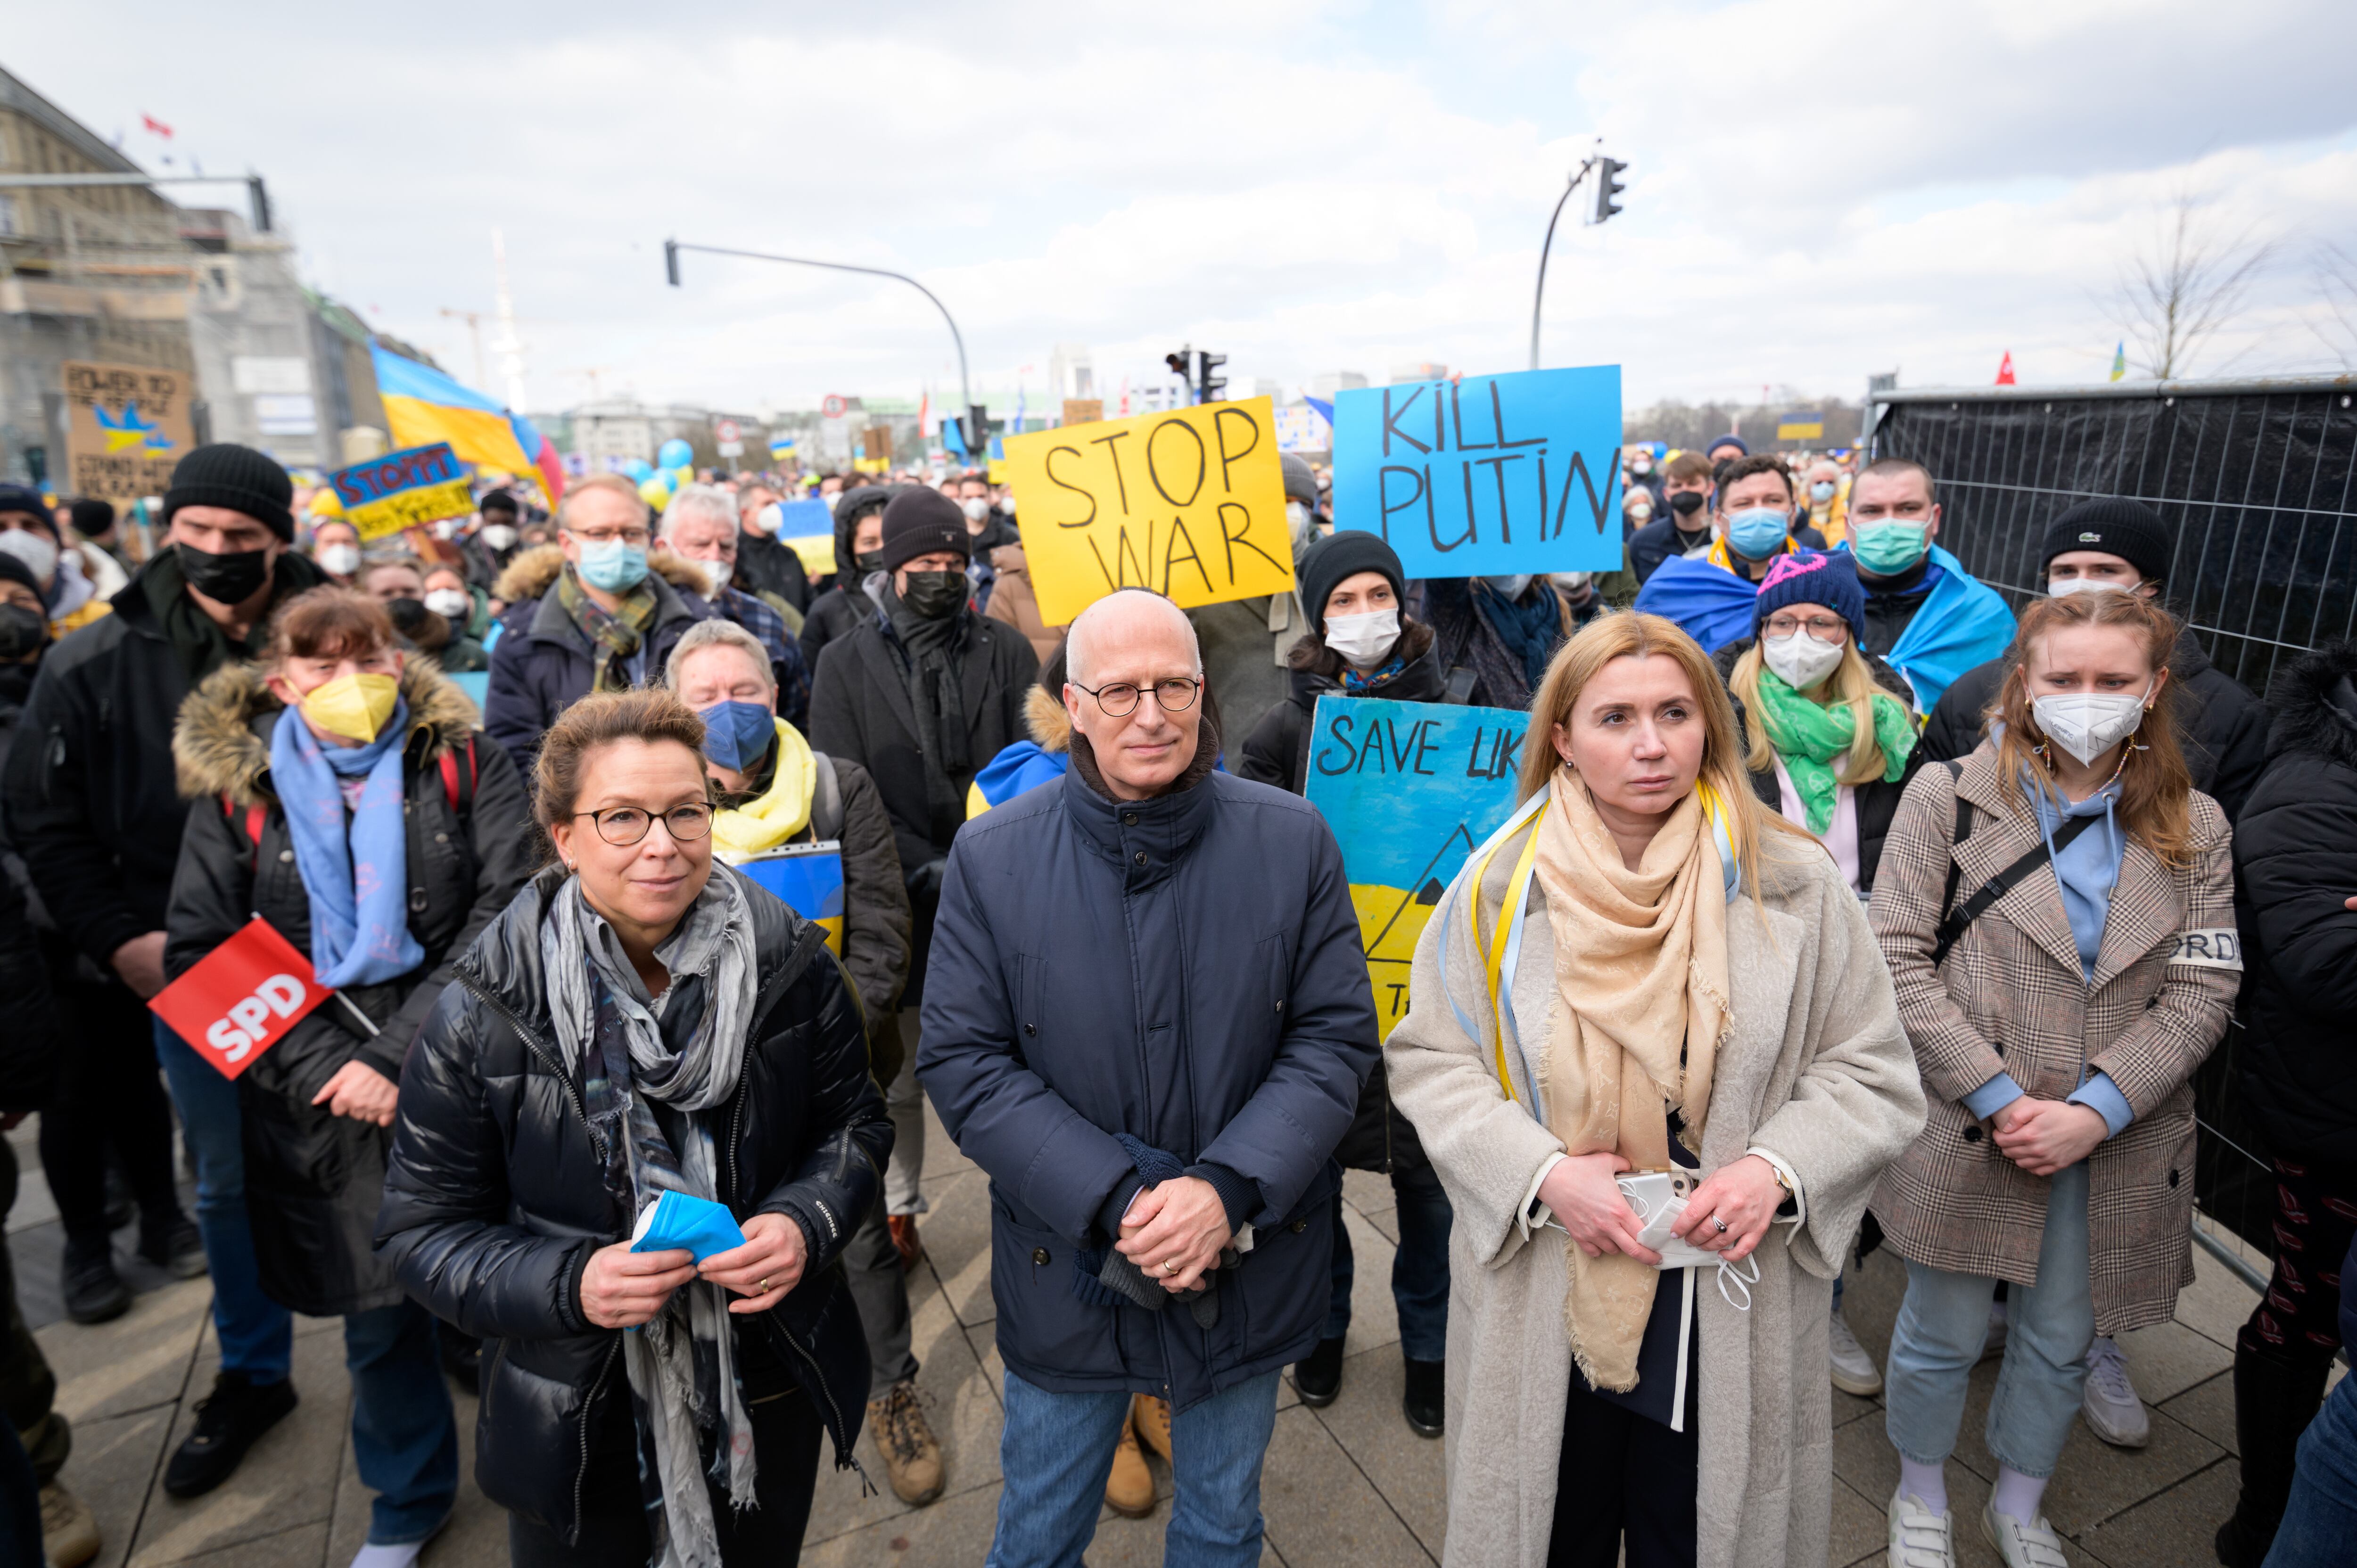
pixel 1538 295
pixel 671 248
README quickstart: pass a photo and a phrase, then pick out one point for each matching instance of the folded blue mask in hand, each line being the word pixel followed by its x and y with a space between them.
pixel 675 1221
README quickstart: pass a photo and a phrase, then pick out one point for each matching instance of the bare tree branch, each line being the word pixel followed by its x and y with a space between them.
pixel 2336 291
pixel 2185 286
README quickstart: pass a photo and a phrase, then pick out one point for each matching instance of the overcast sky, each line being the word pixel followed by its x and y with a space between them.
pixel 1818 189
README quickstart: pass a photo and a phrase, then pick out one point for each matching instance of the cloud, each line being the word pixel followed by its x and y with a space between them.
pixel 1818 188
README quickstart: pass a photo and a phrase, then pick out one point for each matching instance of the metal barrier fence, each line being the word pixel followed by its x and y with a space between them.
pixel 2257 478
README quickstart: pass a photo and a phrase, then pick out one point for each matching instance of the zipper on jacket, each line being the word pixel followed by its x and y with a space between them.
pixel 581 1477
pixel 844 1456
pixel 572 1089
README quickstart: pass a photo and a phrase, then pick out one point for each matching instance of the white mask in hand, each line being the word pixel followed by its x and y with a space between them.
pixel 1800 660
pixel 2088 723
pixel 1363 640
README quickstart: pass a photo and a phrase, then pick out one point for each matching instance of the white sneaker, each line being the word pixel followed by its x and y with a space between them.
pixel 2112 1410
pixel 2019 1545
pixel 1993 1345
pixel 1919 1538
pixel 1854 1369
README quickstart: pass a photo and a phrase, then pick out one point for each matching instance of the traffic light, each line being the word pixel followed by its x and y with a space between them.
pixel 1209 387
pixel 1607 186
pixel 1181 363
pixel 671 260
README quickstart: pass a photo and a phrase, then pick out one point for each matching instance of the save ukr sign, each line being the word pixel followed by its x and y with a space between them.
pixel 1190 503
pixel 1485 476
pixel 401 489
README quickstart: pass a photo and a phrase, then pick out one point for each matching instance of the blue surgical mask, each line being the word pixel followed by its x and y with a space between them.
pixel 1822 492
pixel 611 566
pixel 737 735
pixel 1758 532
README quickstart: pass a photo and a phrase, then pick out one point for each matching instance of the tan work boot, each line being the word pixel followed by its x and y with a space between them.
pixel 912 1454
pixel 68 1533
pixel 1151 1416
pixel 1129 1490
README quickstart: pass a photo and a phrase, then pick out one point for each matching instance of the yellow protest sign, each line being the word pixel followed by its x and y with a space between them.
pixel 403 490
pixel 1190 503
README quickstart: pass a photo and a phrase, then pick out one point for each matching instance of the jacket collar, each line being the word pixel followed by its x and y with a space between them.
pixel 1144 838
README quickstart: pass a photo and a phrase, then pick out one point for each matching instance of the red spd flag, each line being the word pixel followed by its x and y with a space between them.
pixel 242 999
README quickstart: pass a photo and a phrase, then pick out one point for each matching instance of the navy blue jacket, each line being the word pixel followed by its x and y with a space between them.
pixel 1186 970
pixel 543 663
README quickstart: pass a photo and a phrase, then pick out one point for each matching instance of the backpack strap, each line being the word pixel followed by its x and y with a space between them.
pixel 1953 921
pixel 257 816
pixel 460 797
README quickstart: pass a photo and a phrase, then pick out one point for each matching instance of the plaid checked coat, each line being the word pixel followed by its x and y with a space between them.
pixel 2011 998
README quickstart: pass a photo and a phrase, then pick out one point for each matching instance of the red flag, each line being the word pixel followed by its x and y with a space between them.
pixel 2005 370
pixel 241 998
pixel 157 126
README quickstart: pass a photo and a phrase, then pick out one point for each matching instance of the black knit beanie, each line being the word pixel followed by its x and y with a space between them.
pixel 920 521
pixel 238 478
pixel 498 501
pixel 92 517
pixel 15 571
pixel 2116 526
pixel 1345 553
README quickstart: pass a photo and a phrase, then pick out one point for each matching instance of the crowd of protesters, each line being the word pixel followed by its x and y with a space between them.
pixel 1843 906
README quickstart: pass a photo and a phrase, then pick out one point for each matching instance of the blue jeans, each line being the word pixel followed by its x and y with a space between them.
pixel 405 1437
pixel 2322 1518
pixel 1943 1324
pixel 1419 1266
pixel 257 1335
pixel 1058 1450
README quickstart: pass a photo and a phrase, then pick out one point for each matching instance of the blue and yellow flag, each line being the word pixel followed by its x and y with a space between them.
pixel 807 879
pixel 2120 360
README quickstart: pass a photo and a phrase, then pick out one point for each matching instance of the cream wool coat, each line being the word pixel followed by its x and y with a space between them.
pixel 1817 1070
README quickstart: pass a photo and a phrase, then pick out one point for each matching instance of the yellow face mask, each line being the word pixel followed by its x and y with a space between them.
pixel 353 706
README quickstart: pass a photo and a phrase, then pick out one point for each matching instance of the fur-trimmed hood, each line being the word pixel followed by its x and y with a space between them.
pixel 221 743
pixel 533 572
pixel 1045 717
pixel 2314 700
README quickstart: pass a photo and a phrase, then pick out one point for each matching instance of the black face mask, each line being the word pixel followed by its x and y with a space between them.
pixel 408 616
pixel 868 561
pixel 935 596
pixel 1685 503
pixel 226 579
pixel 22 631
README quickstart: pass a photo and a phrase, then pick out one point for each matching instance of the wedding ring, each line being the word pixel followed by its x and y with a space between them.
pixel 763 1287
pixel 1169 1265
pixel 1714 1219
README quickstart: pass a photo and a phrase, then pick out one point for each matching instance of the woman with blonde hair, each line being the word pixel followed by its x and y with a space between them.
pixel 1648 1017
pixel 2057 912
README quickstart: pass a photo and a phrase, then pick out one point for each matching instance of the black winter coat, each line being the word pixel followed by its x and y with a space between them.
pixel 495 1196
pixel 28 1046
pixel 90 802
pixel 1658 541
pixel 543 663
pixel 1184 970
pixel 2223 727
pixel 845 604
pixel 765 566
pixel 2295 864
pixel 313 1179
pixel 1878 799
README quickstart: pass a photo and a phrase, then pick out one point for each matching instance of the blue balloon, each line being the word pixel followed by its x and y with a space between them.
pixel 639 468
pixel 674 454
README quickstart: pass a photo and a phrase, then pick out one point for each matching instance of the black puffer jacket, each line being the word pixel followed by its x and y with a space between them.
pixel 1878 799
pixel 2295 864
pixel 845 604
pixel 495 1196
pixel 313 1178
pixel 2224 728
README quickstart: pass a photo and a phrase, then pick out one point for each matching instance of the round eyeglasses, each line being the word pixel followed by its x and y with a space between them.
pixel 623 826
pixel 1119 699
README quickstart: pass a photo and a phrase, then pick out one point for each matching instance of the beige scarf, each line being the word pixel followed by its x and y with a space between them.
pixel 1640 967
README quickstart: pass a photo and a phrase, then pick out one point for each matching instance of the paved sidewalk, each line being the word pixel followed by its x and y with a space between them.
pixel 1346 1484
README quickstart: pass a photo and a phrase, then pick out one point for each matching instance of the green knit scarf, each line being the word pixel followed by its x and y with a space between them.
pixel 1811 738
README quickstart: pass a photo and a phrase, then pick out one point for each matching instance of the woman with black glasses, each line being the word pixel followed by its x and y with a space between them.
pixel 641 1022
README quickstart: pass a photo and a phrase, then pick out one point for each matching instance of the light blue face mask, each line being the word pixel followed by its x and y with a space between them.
pixel 611 566
pixel 1757 532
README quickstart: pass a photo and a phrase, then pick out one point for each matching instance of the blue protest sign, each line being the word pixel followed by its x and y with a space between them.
pixel 1488 475
pixel 1410 790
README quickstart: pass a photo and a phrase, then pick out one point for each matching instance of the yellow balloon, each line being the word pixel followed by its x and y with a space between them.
pixel 654 492
pixel 325 502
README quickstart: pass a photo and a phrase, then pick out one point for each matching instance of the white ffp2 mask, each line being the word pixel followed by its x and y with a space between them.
pixel 1363 640
pixel 1800 660
pixel 2088 723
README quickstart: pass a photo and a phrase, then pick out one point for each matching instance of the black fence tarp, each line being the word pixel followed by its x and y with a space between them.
pixel 2257 479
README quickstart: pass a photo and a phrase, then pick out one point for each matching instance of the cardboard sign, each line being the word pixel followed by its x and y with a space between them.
pixel 126 427
pixel 242 999
pixel 1485 477
pixel 807 879
pixel 1083 410
pixel 407 489
pixel 1410 790
pixel 1190 503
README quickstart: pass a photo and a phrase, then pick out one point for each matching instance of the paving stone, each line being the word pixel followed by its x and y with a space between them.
pixel 1322 1509
pixel 1860 1529
pixel 1374 1316
pixel 2168 1359
pixel 1849 1407
pixel 113 1464
pixel 2217 1303
pixel 953 1533
pixel 1408 1470
pixel 957 1243
pixel 136 1362
pixel 2208 1409
pixel 305 1546
pixel 2177 1529
pixel 942 1157
pixel 287 1479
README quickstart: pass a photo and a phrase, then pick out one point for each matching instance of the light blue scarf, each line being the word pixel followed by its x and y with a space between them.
pixel 356 877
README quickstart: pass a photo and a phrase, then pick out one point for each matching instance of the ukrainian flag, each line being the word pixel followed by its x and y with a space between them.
pixel 422 406
pixel 2120 360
